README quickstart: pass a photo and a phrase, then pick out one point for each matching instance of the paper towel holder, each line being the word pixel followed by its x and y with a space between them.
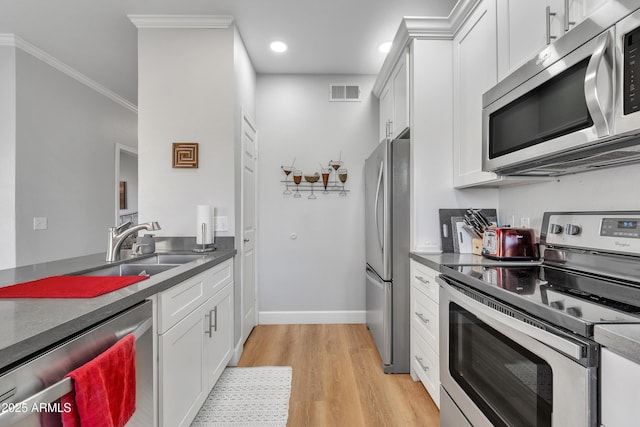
pixel 204 247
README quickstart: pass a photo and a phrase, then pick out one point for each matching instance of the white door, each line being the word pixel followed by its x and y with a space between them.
pixel 248 253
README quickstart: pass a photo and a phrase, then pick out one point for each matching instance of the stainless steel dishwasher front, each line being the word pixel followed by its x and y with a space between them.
pixel 30 393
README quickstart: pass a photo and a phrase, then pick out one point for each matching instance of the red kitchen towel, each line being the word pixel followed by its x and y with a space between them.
pixel 69 286
pixel 104 389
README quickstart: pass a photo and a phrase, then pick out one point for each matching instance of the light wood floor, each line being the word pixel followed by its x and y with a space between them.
pixel 338 378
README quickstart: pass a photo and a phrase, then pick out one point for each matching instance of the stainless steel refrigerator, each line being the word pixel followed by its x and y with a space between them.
pixel 387 252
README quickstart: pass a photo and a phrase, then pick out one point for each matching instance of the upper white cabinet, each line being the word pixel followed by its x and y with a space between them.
pixel 527 27
pixel 394 101
pixel 474 72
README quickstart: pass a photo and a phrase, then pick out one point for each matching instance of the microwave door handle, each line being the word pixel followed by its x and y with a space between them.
pixel 375 207
pixel 599 113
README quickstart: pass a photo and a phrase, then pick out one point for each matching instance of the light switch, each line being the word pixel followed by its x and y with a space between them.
pixel 40 223
pixel 221 223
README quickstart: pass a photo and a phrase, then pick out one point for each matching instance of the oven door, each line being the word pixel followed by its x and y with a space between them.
pixel 502 371
pixel 567 106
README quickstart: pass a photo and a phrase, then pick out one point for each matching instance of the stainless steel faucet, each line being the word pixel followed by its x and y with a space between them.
pixel 117 235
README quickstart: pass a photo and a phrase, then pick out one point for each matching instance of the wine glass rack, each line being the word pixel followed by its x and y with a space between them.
pixel 333 179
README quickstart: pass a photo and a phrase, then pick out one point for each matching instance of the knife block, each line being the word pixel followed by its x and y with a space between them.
pixel 477 246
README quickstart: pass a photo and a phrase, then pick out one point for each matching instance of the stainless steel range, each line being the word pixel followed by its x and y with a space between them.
pixel 517 343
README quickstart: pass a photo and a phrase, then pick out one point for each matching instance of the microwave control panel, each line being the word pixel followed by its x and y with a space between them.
pixel 631 93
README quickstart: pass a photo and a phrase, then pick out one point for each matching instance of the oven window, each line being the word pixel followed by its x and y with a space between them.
pixel 511 385
pixel 555 108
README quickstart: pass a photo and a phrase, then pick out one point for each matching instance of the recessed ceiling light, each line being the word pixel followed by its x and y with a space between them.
pixel 385 47
pixel 278 46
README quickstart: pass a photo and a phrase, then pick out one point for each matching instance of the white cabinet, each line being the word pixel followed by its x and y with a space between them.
pixel 195 342
pixel 424 335
pixel 527 27
pixel 474 72
pixel 394 100
pixel 619 397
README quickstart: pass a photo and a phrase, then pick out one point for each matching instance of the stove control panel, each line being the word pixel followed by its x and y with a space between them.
pixel 598 231
pixel 621 227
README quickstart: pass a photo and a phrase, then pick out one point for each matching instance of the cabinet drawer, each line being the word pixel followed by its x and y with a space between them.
pixel 424 278
pixel 176 303
pixel 426 364
pixel 425 318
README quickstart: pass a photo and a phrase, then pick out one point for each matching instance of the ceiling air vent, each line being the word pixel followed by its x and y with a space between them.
pixel 344 92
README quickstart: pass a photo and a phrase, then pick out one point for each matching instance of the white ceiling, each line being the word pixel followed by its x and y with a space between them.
pixel 324 36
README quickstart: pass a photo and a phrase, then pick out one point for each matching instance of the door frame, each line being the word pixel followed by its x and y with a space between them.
pixel 246 119
pixel 120 148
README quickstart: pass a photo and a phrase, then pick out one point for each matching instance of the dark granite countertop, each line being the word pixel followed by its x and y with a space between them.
pixel 28 326
pixel 438 260
pixel 623 339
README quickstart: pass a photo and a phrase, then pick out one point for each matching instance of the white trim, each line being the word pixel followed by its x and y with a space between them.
pixel 237 354
pixel 15 41
pixel 310 317
pixel 181 21
pixel 422 27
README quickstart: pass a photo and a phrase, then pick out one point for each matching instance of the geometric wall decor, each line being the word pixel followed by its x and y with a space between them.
pixel 185 154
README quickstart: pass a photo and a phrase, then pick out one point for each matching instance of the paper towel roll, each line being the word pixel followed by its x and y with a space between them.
pixel 204 216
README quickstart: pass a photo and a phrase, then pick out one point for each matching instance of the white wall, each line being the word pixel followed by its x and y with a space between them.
pixel 8 157
pixel 322 270
pixel 185 95
pixel 65 162
pixel 607 189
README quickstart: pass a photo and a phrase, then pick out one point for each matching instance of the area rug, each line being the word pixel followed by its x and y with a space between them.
pixel 248 397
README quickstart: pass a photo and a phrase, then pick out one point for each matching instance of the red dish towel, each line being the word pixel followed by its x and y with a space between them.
pixel 104 389
pixel 69 286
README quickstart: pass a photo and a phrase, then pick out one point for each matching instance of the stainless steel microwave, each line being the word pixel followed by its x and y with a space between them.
pixel 575 106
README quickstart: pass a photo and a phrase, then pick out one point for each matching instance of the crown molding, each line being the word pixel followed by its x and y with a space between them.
pixel 424 28
pixel 25 46
pixel 181 21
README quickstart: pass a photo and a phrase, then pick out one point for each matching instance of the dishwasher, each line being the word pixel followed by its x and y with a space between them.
pixel 30 393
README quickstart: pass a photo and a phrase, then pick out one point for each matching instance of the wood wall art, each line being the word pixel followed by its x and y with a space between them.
pixel 185 155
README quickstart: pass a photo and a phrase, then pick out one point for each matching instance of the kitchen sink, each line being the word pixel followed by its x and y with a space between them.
pixel 130 269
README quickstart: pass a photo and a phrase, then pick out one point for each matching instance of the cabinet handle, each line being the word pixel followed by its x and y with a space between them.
pixel 549 15
pixel 567 22
pixel 424 368
pixel 213 317
pixel 421 317
pixel 423 280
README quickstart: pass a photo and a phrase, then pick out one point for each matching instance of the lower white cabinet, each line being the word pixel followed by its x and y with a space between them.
pixel 619 397
pixel 194 351
pixel 424 335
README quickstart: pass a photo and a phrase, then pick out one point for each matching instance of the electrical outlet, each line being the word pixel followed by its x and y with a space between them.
pixel 525 222
pixel 40 223
pixel 221 223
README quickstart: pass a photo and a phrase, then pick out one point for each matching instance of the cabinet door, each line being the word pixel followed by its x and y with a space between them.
pixel 620 400
pixel 474 72
pixel 386 111
pixel 218 334
pixel 400 84
pixel 521 33
pixel 182 385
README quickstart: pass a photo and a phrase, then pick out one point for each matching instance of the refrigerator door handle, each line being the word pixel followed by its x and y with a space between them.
pixel 375 207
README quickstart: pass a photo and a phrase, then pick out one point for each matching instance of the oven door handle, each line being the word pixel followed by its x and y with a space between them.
pixel 594 98
pixel 500 321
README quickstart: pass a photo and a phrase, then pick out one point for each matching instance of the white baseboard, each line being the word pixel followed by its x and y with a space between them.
pixel 237 354
pixel 310 317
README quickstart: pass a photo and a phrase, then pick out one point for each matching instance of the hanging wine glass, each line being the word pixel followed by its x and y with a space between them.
pixel 312 179
pixel 297 179
pixel 342 176
pixel 325 179
pixel 335 164
pixel 287 171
